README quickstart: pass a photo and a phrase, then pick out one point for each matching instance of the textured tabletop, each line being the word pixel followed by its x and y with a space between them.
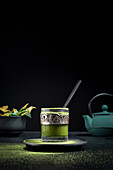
pixel 96 154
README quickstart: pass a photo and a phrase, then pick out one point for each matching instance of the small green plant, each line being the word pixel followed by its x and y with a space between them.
pixel 24 111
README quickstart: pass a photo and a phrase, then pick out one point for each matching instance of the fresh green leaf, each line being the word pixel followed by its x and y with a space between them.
pixel 13 114
pixel 29 109
pixel 20 114
pixel 23 111
pixel 29 115
pixel 25 106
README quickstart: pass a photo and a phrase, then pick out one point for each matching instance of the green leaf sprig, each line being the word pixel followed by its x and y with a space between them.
pixel 24 111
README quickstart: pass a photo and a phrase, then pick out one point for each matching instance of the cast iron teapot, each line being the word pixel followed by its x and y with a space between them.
pixel 100 123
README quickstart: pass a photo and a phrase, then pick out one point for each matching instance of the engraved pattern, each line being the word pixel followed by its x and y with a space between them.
pixel 47 119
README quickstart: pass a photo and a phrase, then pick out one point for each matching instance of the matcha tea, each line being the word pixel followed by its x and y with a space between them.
pixel 54 124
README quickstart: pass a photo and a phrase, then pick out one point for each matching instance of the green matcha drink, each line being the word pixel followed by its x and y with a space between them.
pixel 54 124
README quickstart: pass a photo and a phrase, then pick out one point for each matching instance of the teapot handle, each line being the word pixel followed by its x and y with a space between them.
pixel 101 94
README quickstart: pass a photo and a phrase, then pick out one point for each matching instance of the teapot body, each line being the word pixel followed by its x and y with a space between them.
pixel 100 123
pixel 101 131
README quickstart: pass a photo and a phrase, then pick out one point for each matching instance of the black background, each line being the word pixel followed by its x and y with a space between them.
pixel 45 51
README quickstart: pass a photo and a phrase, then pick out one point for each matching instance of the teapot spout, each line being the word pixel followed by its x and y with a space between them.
pixel 88 122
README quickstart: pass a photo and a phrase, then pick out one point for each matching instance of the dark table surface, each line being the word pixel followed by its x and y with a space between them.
pixel 96 154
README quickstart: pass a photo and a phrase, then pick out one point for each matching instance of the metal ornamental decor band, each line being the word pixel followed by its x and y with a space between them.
pixel 47 119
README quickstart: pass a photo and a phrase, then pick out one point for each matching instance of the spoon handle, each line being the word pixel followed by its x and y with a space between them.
pixel 72 93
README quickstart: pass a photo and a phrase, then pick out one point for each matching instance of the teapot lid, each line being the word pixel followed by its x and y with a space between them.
pixel 104 111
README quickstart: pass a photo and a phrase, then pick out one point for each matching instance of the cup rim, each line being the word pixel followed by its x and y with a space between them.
pixel 59 108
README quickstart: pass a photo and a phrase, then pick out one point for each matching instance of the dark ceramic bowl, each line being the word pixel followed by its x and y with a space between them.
pixel 12 124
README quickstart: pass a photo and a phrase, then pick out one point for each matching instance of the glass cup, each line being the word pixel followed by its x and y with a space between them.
pixel 54 124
